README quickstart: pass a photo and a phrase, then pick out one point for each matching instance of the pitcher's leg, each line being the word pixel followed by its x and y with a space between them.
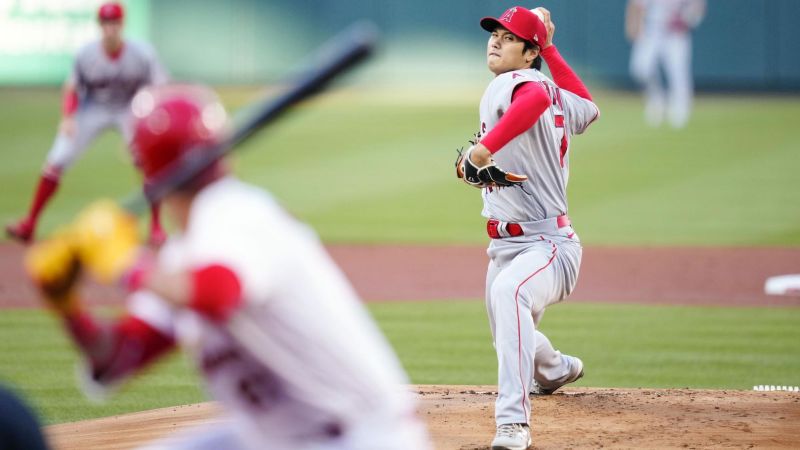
pixel 552 369
pixel 491 273
pixel 550 366
pixel 524 282
pixel 515 346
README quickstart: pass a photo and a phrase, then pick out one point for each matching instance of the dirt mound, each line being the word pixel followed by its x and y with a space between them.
pixel 461 417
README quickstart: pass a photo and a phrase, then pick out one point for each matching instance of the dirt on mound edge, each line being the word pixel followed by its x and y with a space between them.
pixel 461 417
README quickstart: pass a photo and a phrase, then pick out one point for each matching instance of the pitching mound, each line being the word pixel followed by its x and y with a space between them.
pixel 461 417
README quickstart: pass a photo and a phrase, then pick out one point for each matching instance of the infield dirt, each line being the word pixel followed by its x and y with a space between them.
pixel 461 417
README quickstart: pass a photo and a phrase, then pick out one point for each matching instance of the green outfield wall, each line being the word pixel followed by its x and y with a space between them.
pixel 742 44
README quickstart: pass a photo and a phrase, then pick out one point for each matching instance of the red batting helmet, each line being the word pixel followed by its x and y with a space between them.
pixel 171 120
pixel 110 11
pixel 522 22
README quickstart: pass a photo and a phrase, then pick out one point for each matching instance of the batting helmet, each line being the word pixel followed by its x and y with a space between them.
pixel 110 11
pixel 172 120
pixel 522 22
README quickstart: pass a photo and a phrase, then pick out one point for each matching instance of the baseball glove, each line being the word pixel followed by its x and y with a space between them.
pixel 490 175
pixel 54 267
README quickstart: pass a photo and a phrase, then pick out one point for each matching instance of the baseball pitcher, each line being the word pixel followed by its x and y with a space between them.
pixel 521 164
pixel 281 339
pixel 96 97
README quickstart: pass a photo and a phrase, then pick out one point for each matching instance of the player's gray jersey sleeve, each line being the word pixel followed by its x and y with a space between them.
pixel 580 112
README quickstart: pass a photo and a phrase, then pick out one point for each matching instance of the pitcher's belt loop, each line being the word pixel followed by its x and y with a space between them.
pixel 497 229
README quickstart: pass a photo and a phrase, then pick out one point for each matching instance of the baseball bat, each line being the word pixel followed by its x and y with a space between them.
pixel 338 55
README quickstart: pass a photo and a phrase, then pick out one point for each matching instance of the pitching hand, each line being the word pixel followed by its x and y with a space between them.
pixel 548 24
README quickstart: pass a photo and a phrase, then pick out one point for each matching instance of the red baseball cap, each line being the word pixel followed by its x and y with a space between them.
pixel 522 22
pixel 110 11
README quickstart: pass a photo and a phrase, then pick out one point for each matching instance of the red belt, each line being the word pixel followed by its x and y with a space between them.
pixel 497 229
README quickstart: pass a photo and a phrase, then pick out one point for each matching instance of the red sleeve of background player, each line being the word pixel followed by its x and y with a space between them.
pixel 563 74
pixel 69 104
pixel 116 350
pixel 528 103
pixel 216 292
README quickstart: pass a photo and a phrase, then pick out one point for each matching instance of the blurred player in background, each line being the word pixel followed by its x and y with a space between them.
pixel 96 96
pixel 527 124
pixel 660 31
pixel 276 330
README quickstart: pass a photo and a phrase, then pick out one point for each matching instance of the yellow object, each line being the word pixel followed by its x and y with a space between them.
pixel 106 240
pixel 54 267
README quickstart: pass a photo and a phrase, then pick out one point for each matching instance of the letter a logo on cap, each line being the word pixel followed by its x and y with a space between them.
pixel 506 17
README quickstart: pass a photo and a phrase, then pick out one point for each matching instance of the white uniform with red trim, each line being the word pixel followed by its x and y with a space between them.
pixel 300 365
pixel 105 86
pixel 665 41
pixel 529 272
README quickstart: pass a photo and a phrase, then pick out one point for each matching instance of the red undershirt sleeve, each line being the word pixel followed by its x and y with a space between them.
pixel 216 292
pixel 528 102
pixel 562 73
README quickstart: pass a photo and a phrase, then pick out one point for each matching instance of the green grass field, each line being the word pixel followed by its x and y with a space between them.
pixel 674 347
pixel 377 166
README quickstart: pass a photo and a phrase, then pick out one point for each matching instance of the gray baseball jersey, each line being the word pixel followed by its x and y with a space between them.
pixel 528 273
pixel 112 82
pixel 541 153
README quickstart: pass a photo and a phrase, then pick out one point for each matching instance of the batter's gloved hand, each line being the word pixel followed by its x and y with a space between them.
pixel 485 176
pixel 54 267
pixel 106 239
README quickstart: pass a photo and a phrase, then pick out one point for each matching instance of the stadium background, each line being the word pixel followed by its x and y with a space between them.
pixel 728 180
pixel 742 44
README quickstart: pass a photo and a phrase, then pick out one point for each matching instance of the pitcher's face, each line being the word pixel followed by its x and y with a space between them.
pixel 506 52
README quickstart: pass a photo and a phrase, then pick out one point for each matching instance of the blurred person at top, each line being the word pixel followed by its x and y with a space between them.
pixel 106 74
pixel 660 31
